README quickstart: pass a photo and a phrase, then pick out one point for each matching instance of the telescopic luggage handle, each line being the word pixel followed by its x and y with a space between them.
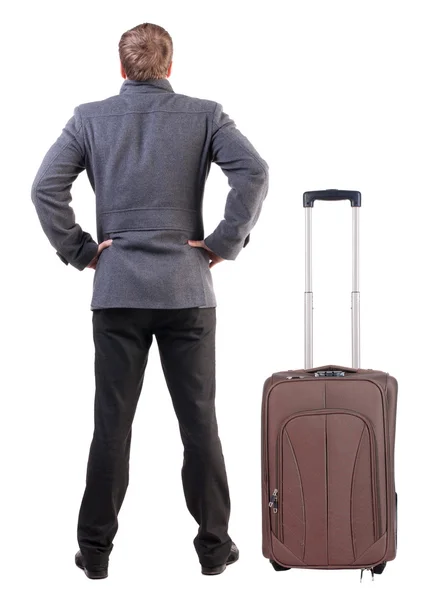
pixel 308 202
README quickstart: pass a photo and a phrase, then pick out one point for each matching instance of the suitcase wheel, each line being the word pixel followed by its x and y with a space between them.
pixel 379 569
pixel 278 567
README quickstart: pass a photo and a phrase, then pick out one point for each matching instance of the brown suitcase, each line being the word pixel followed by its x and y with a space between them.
pixel 328 434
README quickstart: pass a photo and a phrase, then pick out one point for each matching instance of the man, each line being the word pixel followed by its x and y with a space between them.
pixel 147 152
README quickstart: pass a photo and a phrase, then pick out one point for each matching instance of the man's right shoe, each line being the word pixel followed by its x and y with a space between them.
pixel 233 557
pixel 98 572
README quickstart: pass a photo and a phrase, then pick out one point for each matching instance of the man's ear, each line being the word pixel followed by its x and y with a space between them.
pixel 122 71
pixel 169 69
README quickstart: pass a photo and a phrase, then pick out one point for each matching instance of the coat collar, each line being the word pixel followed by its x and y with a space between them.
pixel 149 85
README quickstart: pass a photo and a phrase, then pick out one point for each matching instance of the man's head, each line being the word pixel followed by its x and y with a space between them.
pixel 145 52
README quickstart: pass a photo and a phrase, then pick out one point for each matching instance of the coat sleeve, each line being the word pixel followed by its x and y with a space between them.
pixel 248 177
pixel 51 196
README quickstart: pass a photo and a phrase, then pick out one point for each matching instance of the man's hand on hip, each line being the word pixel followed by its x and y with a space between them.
pixel 201 244
pixel 94 261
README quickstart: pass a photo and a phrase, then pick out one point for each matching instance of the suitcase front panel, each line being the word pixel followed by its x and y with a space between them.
pixel 328 501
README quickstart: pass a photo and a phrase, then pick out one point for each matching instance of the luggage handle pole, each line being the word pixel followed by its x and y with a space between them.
pixel 308 290
pixel 355 297
pixel 308 202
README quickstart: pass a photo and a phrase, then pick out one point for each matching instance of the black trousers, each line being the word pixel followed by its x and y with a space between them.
pixel 186 341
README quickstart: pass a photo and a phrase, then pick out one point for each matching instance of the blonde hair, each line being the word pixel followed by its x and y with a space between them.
pixel 145 52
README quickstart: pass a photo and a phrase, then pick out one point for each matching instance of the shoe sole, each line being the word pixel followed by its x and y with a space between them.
pixel 222 568
pixel 89 573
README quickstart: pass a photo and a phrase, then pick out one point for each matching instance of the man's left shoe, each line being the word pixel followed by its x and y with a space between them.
pixel 95 572
pixel 233 557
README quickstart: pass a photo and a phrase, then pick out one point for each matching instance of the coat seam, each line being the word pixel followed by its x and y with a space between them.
pixel 103 212
pixel 145 112
pixel 60 151
pixel 242 146
pixel 50 164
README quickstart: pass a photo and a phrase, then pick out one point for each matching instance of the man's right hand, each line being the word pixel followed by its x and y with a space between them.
pixel 201 244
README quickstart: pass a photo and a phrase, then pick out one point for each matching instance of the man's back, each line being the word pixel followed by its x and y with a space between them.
pixel 147 152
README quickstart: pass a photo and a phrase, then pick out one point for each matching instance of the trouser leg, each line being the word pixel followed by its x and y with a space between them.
pixel 122 342
pixel 186 341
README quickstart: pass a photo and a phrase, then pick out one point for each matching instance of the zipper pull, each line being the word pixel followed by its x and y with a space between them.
pixel 274 501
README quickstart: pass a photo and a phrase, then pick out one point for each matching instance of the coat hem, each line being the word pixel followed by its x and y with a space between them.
pixel 116 305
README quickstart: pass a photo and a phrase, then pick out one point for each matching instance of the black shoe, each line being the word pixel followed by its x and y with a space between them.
pixel 233 557
pixel 95 572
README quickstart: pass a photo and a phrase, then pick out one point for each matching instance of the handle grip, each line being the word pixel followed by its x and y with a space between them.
pixel 331 195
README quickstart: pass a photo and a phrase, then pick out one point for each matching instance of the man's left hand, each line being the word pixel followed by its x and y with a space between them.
pixel 94 261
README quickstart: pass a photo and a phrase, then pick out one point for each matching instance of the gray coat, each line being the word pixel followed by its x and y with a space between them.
pixel 147 152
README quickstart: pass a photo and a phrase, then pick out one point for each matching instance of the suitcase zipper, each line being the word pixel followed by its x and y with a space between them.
pixel 273 505
pixel 279 530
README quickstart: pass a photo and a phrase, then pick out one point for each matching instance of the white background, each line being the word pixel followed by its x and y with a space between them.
pixel 333 95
